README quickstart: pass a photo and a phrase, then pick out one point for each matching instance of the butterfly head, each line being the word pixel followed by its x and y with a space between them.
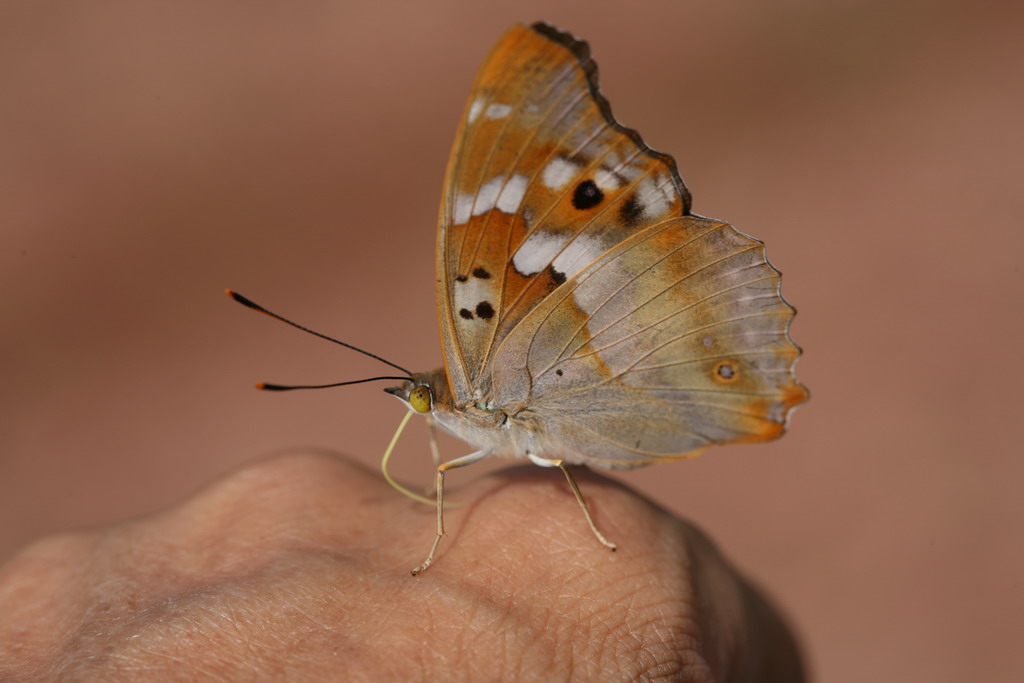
pixel 423 392
pixel 417 396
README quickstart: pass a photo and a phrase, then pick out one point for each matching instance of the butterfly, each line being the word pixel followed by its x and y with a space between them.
pixel 587 316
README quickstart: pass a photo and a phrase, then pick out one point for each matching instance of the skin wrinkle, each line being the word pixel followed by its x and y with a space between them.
pixel 214 617
pixel 91 622
pixel 500 610
pixel 133 648
pixel 383 618
pixel 462 641
pixel 529 610
pixel 585 622
pixel 672 640
pixel 291 606
pixel 443 622
pixel 561 634
pixel 429 627
pixel 662 634
pixel 510 653
pixel 296 608
pixel 502 651
pixel 667 639
pixel 241 638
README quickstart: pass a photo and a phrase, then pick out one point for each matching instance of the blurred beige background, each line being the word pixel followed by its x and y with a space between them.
pixel 152 154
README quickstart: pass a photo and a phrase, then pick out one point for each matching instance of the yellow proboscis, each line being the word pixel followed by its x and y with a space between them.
pixel 387 477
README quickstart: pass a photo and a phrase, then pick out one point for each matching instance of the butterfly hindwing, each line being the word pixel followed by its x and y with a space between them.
pixel 541 182
pixel 674 340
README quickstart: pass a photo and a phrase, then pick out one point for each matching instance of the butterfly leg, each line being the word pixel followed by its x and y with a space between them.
pixel 435 453
pixel 441 469
pixel 583 505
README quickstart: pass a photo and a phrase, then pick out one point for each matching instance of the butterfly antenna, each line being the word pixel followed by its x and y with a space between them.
pixel 274 387
pixel 266 386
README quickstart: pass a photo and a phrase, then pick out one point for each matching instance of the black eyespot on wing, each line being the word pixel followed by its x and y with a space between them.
pixel 485 310
pixel 558 372
pixel 481 273
pixel 557 276
pixel 587 195
pixel 726 372
pixel 631 212
pixel 466 313
pixel 461 278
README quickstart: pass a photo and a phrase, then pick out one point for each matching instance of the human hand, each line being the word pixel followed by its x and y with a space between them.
pixel 298 566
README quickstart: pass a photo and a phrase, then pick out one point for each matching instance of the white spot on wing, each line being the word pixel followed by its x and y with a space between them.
pixel 475 109
pixel 606 180
pixel 498 111
pixel 623 167
pixel 653 197
pixel 469 293
pixel 512 196
pixel 463 207
pixel 498 192
pixel 558 172
pixel 596 291
pixel 488 195
pixel 578 254
pixel 536 252
pixel 542 249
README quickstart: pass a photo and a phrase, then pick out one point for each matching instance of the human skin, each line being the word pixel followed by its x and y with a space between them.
pixel 297 567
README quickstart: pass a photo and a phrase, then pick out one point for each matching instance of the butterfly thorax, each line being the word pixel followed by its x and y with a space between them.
pixel 503 430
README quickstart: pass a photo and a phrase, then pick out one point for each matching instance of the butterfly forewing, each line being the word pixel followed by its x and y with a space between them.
pixel 541 182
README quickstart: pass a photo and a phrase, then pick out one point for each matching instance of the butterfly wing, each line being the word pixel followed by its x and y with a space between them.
pixel 673 340
pixel 541 182
pixel 578 293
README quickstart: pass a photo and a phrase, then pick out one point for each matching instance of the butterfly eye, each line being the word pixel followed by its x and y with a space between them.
pixel 419 399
